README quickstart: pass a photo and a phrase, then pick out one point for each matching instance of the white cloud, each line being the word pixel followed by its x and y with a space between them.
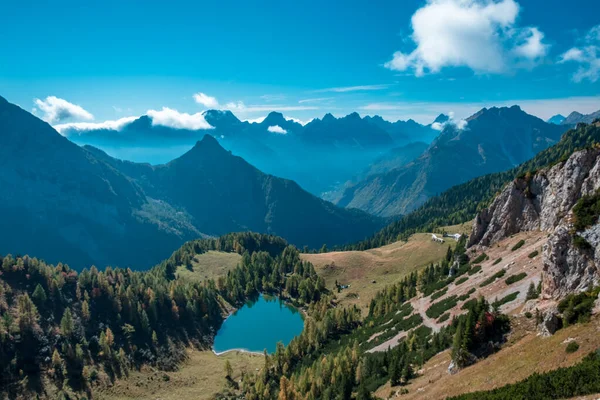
pixel 277 129
pixel 458 123
pixel 206 100
pixel 479 34
pixel 256 120
pixel 361 88
pixel 174 119
pixel 57 110
pixel 272 97
pixel 531 48
pixel 80 127
pixel 316 100
pixel 587 56
pixel 299 121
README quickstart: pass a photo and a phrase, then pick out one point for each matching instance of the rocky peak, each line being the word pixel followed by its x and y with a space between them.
pixel 545 201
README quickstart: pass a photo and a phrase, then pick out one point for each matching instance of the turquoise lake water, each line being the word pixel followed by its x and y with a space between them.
pixel 258 326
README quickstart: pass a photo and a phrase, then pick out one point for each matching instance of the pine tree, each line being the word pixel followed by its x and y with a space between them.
pixel 66 323
pixel 39 296
pixel 532 292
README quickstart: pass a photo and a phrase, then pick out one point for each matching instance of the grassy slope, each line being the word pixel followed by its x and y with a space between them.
pixel 524 354
pixel 201 377
pixel 384 265
pixel 209 265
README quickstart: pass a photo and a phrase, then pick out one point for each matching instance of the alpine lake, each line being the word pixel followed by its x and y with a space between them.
pixel 258 326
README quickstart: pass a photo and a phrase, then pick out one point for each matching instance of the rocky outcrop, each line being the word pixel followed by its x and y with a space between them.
pixel 544 201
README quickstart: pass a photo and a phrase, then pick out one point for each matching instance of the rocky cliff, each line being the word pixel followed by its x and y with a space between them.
pixel 546 201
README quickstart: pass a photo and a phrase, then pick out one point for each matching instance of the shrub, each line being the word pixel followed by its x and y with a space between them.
pixel 492 278
pixel 437 309
pixel 586 211
pixel 515 278
pixel 443 318
pixel 468 304
pixel 475 270
pixel 577 308
pixel 439 293
pixel 517 246
pixel 505 299
pixel 482 257
pixel 533 254
pixel 572 347
pixel 466 295
pixel 581 243
pixel 462 280
pixel 498 260
pixel 528 315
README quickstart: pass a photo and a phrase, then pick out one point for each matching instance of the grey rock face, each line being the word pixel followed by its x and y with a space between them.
pixel 545 202
pixel 550 322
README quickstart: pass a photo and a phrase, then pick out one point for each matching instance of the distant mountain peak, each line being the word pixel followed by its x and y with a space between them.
pixel 274 118
pixel 353 116
pixel 442 118
pixel 220 117
pixel 556 119
pixel 328 117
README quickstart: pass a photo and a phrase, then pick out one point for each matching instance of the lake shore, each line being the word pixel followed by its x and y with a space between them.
pixel 220 353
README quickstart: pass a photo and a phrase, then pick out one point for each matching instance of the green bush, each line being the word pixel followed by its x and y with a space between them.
pixel 586 211
pixel 498 261
pixel 461 280
pixel 581 243
pixel 528 315
pixel 492 278
pixel 482 257
pixel 577 308
pixel 475 270
pixel 468 304
pixel 437 309
pixel 515 278
pixel 533 254
pixel 505 299
pixel 517 246
pixel 439 293
pixel 572 347
pixel 443 318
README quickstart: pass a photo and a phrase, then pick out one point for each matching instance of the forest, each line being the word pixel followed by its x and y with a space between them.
pixel 83 329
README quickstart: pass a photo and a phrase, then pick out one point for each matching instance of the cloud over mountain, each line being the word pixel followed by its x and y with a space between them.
pixel 480 35
pixel 277 129
pixel 58 110
pixel 174 119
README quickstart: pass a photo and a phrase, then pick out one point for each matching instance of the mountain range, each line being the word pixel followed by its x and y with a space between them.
pixel 338 147
pixel 491 140
pixel 63 202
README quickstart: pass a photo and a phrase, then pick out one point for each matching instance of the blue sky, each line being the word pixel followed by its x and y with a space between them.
pixel 400 59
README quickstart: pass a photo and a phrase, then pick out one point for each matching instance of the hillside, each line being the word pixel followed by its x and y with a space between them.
pixel 220 193
pixel 367 272
pixel 60 203
pixel 493 140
